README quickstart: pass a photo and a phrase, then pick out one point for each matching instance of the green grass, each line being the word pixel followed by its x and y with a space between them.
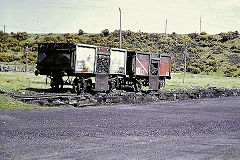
pixel 27 82
pixel 201 81
pixel 7 102
pixel 21 82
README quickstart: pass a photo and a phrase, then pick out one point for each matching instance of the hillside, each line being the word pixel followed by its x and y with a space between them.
pixel 206 54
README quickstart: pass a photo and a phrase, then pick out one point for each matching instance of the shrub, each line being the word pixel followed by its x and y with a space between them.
pixel 6 57
pixel 232 71
pixel 228 36
pixel 80 32
pixel 21 36
pixel 217 49
pixel 203 33
pixel 105 32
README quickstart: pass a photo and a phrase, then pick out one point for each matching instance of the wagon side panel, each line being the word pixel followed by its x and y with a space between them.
pixel 142 64
pixel 165 66
pixel 55 57
pixel 118 61
pixel 85 59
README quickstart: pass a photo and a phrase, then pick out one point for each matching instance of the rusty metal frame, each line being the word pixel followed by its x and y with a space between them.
pixel 101 82
pixel 101 79
pixel 154 79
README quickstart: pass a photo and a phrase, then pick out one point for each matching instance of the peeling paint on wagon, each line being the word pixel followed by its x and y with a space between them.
pixel 142 64
pixel 85 59
pixel 165 66
pixel 118 61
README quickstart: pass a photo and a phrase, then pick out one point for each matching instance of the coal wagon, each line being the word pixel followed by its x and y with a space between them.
pixel 102 69
pixel 146 69
pixel 90 65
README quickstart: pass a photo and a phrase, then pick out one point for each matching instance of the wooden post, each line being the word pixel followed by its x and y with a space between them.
pixel 26 66
pixel 166 27
pixel 200 25
pixel 120 29
pixel 185 62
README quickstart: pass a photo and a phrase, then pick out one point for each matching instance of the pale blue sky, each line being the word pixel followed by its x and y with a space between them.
pixel 54 16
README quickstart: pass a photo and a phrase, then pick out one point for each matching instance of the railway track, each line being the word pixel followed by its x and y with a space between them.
pixel 85 99
pixel 42 96
pixel 58 99
pixel 120 97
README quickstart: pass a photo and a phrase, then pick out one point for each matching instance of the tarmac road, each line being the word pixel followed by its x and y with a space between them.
pixel 194 129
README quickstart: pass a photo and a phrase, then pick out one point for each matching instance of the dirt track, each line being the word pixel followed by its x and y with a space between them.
pixel 193 129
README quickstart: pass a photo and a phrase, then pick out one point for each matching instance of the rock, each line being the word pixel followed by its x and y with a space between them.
pixel 2 91
pixel 43 102
pixel 113 99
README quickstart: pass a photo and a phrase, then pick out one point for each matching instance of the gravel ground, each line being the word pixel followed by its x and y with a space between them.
pixel 190 129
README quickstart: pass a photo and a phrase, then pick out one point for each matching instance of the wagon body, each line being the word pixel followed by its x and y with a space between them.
pixel 55 57
pixel 81 60
pixel 143 68
pixel 118 59
pixel 138 63
pixel 101 68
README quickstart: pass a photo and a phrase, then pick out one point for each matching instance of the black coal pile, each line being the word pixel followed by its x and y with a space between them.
pixel 197 93
pixel 122 97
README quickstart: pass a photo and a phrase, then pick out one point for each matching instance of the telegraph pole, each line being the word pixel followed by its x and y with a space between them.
pixel 4 29
pixel 120 30
pixel 166 27
pixel 200 24
pixel 185 62
pixel 26 59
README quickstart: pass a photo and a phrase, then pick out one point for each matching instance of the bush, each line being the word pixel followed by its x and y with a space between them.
pixel 193 35
pixel 203 33
pixel 32 58
pixel 105 32
pixel 21 36
pixel 232 71
pixel 217 49
pixel 194 70
pixel 228 36
pixel 80 32
pixel 6 57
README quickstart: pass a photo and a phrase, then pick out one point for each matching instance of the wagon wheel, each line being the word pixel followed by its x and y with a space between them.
pixel 57 84
pixel 79 87
pixel 82 86
pixel 138 86
pixel 88 85
pixel 112 85
pixel 162 83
